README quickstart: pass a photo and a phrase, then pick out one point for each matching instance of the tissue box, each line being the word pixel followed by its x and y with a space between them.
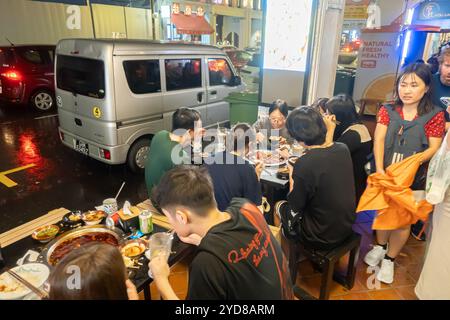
pixel 129 222
pixel 135 211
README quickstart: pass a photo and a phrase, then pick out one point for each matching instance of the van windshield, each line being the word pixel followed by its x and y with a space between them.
pixel 81 76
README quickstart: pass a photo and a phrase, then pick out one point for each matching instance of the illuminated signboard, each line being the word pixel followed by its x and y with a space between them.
pixel 287 29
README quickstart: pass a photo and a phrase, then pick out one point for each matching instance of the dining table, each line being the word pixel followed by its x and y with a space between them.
pixel 16 244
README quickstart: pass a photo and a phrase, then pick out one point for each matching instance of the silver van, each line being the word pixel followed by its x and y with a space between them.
pixel 114 95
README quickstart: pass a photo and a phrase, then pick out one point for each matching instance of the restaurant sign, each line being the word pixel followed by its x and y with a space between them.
pixel 434 10
pixel 355 13
pixel 176 9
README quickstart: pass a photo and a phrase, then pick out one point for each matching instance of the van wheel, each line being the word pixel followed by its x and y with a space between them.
pixel 137 156
pixel 42 100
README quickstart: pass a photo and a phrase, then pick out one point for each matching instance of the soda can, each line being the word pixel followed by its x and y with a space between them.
pixel 145 222
pixel 113 220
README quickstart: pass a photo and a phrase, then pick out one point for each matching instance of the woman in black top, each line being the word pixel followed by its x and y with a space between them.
pixel 321 205
pixel 350 131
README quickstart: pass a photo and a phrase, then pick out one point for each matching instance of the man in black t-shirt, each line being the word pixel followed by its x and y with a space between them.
pixel 320 211
pixel 237 256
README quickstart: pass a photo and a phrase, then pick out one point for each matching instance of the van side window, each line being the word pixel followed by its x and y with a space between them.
pixel 183 74
pixel 143 76
pixel 219 72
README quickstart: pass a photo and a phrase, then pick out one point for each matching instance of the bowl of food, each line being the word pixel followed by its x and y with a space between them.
pixel 283 173
pixel 92 218
pixel 72 218
pixel 46 233
pixel 76 238
pixel 11 289
pixel 269 158
pixel 133 248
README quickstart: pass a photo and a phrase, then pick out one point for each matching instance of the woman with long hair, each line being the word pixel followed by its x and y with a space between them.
pixel 411 125
pixel 350 131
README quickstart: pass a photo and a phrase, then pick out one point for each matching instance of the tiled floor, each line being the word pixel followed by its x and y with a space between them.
pixel 407 267
pixel 407 271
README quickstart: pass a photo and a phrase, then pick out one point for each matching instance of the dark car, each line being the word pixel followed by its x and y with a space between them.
pixel 27 75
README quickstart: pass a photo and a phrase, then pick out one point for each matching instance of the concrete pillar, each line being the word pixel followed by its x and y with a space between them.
pixel 324 60
pixel 248 28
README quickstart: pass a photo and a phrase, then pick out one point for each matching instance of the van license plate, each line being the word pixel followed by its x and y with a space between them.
pixel 81 147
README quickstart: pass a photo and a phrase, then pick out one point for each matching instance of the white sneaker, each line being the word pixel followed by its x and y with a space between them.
pixel 374 256
pixel 386 273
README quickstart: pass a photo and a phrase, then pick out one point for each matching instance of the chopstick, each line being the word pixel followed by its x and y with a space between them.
pixel 40 293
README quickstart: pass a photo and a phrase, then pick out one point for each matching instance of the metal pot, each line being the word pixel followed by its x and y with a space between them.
pixel 48 250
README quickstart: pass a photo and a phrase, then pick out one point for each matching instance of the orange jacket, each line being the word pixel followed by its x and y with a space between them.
pixel 391 196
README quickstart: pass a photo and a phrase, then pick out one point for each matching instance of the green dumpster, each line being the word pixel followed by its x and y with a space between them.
pixel 243 107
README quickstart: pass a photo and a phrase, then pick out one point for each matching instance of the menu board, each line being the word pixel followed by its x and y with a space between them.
pixel 286 35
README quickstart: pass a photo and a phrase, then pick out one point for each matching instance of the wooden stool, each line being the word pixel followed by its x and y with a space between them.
pixel 326 261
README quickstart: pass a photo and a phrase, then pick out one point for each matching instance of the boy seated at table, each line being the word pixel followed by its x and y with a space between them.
pixel 237 255
pixel 166 148
pixel 232 175
pixel 320 210
pixel 94 271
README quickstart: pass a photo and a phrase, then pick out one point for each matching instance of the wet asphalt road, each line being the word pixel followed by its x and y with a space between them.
pixel 61 177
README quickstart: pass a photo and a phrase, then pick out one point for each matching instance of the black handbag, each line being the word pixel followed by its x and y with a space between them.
pixel 290 224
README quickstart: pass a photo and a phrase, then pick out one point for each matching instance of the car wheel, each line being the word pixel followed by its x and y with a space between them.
pixel 137 156
pixel 43 100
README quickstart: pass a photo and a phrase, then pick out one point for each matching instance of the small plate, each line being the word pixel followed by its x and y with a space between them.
pixel 93 222
pixel 53 230
pixel 35 273
pixel 67 221
pixel 276 164
pixel 135 243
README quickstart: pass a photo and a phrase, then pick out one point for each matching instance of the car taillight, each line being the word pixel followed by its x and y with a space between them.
pixel 12 75
pixel 105 154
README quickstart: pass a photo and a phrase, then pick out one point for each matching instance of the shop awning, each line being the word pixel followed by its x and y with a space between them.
pixel 192 24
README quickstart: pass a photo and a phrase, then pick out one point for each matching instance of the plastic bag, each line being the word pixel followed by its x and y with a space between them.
pixel 438 178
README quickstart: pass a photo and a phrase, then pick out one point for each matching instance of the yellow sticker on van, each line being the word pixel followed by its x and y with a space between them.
pixel 97 112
